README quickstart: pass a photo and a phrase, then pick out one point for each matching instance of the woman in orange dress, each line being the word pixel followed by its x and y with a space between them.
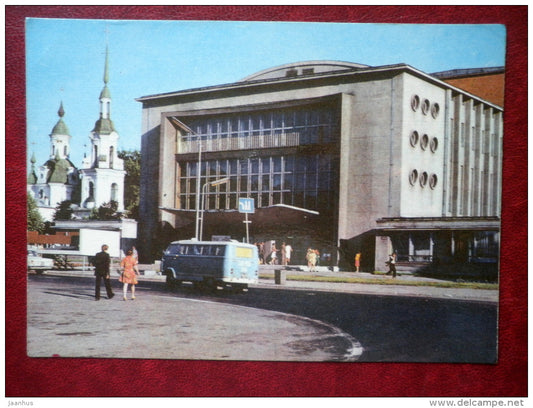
pixel 129 274
pixel 357 261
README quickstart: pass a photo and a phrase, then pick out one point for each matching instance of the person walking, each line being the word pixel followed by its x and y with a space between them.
pixel 129 274
pixel 287 252
pixel 357 261
pixel 102 263
pixel 311 259
pixel 274 256
pixel 392 264
pixel 283 260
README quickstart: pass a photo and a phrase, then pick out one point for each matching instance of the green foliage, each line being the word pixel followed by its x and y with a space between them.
pixel 35 221
pixel 63 211
pixel 132 181
pixel 107 211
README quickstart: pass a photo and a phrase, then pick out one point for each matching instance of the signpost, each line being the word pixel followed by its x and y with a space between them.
pixel 246 206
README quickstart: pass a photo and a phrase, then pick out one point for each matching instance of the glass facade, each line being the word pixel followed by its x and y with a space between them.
pixel 266 129
pixel 272 175
pixel 307 181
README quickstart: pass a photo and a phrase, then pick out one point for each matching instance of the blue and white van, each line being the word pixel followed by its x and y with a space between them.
pixel 211 264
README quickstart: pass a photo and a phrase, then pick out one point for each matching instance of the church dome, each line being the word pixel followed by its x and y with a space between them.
pixel 104 126
pixel 60 128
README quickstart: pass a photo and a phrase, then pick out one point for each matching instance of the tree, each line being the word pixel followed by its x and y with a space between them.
pixel 132 181
pixel 107 211
pixel 35 220
pixel 63 211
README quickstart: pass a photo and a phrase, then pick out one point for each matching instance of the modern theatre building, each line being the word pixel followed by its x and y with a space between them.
pixel 341 157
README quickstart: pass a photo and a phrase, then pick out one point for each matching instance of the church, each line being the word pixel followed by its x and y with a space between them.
pixel 99 180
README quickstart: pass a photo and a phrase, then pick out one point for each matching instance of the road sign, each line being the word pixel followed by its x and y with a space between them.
pixel 246 205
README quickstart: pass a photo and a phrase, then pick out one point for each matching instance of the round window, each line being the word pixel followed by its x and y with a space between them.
pixel 435 110
pixel 415 102
pixel 413 139
pixel 434 144
pixel 423 179
pixel 424 142
pixel 425 107
pixel 413 176
pixel 433 181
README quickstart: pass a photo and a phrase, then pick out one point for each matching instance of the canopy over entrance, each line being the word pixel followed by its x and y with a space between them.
pixel 278 214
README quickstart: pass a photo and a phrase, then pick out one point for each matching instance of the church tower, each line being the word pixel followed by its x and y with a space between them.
pixel 60 137
pixel 102 173
pixel 56 180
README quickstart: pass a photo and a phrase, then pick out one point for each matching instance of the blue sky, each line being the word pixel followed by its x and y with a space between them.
pixel 65 62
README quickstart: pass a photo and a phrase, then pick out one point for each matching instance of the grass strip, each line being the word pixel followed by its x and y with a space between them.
pixel 389 281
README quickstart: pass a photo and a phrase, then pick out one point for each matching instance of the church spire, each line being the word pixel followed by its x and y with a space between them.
pixel 104 125
pixel 60 128
pixel 106 66
pixel 32 176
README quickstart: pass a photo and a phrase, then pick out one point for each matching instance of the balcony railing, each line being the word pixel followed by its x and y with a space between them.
pixel 241 143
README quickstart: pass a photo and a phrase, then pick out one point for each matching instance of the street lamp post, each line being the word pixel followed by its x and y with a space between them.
pixel 204 191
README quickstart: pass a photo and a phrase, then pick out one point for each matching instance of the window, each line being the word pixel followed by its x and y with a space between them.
pixel 435 110
pixel 413 176
pixel 424 142
pixel 292 180
pixel 415 102
pixel 433 181
pixel 111 156
pixel 114 192
pixel 413 138
pixel 434 144
pixel 425 107
pixel 423 179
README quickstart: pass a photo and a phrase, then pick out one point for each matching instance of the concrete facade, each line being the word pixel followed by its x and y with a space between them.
pixel 363 146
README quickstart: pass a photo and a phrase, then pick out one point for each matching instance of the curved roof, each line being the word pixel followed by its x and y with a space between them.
pixel 60 128
pixel 104 126
pixel 303 68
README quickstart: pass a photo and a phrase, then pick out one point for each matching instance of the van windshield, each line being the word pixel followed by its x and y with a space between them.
pixel 196 249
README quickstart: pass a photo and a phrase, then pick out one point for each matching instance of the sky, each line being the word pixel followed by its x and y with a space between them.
pixel 65 62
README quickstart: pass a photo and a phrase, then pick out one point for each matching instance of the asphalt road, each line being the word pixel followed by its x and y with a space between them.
pixel 267 323
pixel 65 320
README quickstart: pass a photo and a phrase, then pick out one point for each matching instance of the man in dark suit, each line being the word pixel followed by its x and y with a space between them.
pixel 102 262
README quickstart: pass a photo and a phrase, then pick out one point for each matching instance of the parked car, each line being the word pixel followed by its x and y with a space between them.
pixel 37 263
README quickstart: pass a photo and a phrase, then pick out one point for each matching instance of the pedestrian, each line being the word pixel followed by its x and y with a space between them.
pixel 317 252
pixel 357 261
pixel 287 253
pixel 129 274
pixel 102 263
pixel 135 253
pixel 311 259
pixel 262 253
pixel 392 264
pixel 274 256
pixel 283 260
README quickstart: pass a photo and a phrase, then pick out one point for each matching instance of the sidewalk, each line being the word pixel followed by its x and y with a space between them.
pixel 402 285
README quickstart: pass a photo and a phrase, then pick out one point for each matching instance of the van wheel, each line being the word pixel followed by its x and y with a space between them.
pixel 171 282
pixel 239 288
pixel 210 285
pixel 197 285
